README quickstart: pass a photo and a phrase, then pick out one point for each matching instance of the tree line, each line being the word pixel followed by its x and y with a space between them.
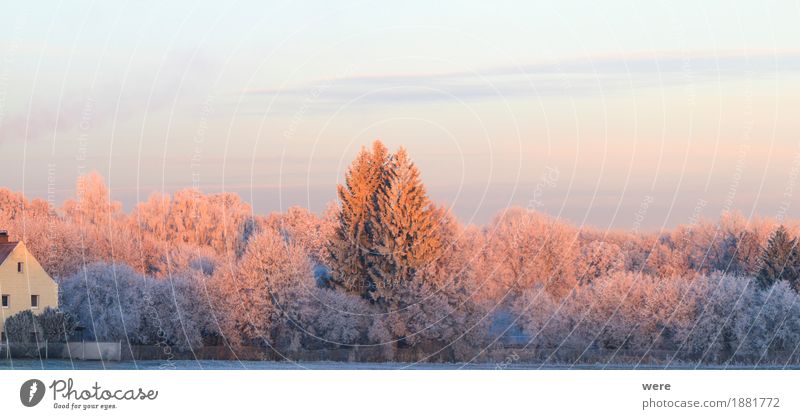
pixel 386 267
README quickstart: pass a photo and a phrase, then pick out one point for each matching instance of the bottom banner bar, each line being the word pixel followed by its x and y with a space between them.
pixel 399 394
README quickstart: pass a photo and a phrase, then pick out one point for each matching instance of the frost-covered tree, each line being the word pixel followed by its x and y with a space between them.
pixel 272 298
pixel 721 317
pixel 56 325
pixel 387 226
pixel 666 259
pixel 177 311
pixel 351 244
pixel 221 223
pixel 115 303
pixel 302 227
pixel 93 205
pixel 549 323
pixel 749 248
pixel 525 248
pixel 265 288
pixel 441 310
pixel 404 228
pixel 331 318
pixel 599 258
pixel 771 330
pixel 22 327
pixel 420 312
pixel 780 260
pixel 627 311
pixel 108 300
pixel 97 219
pixel 12 204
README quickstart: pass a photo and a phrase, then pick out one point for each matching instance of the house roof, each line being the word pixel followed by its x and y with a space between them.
pixel 6 249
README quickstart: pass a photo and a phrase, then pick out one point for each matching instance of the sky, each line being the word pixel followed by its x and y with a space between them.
pixel 617 114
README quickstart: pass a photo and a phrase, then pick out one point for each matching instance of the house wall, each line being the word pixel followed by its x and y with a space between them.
pixel 20 286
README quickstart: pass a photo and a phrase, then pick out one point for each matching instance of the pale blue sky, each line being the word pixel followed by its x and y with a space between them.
pixel 680 102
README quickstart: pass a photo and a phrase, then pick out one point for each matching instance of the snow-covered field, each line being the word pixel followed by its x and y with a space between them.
pixel 30 364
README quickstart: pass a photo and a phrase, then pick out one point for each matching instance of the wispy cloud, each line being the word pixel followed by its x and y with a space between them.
pixel 598 74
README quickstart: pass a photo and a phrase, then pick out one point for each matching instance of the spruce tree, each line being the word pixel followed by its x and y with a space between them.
pixel 387 225
pixel 351 244
pixel 780 261
pixel 405 228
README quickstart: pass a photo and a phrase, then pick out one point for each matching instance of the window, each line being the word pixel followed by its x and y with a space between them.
pixel 19 267
pixel 34 301
pixel 6 300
